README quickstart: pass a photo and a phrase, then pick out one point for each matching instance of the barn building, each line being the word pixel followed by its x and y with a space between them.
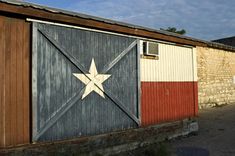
pixel 227 41
pixel 66 75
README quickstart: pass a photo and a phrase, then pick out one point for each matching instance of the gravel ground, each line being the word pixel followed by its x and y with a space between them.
pixel 216 137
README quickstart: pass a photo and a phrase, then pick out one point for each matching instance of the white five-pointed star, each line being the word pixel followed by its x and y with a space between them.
pixel 93 80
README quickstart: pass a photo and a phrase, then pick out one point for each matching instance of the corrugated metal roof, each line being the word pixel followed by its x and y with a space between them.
pixel 60 11
pixel 227 41
pixel 75 14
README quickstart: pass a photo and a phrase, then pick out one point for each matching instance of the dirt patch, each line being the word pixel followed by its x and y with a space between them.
pixel 159 149
pixel 216 132
pixel 216 137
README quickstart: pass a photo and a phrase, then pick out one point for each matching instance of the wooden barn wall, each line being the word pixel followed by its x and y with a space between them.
pixel 14 81
pixel 60 109
pixel 169 85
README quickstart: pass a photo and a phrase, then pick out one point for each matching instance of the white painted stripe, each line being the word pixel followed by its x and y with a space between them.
pixel 175 63
pixel 195 64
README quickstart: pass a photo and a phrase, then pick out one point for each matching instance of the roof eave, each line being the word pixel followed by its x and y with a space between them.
pixel 28 10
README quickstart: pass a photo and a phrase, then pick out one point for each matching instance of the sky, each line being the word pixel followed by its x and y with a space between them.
pixel 202 19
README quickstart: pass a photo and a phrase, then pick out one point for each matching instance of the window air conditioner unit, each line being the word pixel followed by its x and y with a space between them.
pixel 150 48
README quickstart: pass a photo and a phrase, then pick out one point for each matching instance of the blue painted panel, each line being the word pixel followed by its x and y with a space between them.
pixel 59 112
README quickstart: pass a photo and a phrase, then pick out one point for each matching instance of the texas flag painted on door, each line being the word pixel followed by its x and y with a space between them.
pixel 84 82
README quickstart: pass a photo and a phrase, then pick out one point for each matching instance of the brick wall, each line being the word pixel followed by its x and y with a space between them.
pixel 216 69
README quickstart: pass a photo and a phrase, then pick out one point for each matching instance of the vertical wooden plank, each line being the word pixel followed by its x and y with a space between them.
pixel 34 79
pixel 19 85
pixel 26 82
pixel 13 79
pixel 8 108
pixel 138 81
pixel 15 120
pixel 2 81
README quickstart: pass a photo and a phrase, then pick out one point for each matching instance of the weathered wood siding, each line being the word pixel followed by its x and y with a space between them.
pixel 14 81
pixel 59 110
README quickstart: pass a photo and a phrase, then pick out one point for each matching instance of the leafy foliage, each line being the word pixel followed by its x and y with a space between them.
pixel 174 30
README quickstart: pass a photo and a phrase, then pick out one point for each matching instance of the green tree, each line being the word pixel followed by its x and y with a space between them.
pixel 174 30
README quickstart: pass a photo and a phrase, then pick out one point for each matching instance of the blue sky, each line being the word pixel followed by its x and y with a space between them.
pixel 202 19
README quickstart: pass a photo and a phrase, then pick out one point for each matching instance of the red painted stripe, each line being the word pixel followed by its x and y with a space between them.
pixel 196 99
pixel 168 101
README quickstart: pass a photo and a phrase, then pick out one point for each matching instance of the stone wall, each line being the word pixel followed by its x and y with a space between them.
pixel 216 71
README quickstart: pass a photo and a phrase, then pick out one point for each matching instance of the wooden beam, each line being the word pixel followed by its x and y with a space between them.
pixel 108 66
pixel 2 81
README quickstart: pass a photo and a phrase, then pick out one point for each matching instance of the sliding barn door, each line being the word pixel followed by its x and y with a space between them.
pixel 83 82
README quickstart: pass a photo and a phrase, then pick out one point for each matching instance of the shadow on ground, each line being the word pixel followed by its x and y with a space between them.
pixel 160 149
pixel 216 137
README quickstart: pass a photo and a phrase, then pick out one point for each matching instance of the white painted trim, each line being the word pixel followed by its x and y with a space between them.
pixel 194 51
pixel 160 81
pixel 102 31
